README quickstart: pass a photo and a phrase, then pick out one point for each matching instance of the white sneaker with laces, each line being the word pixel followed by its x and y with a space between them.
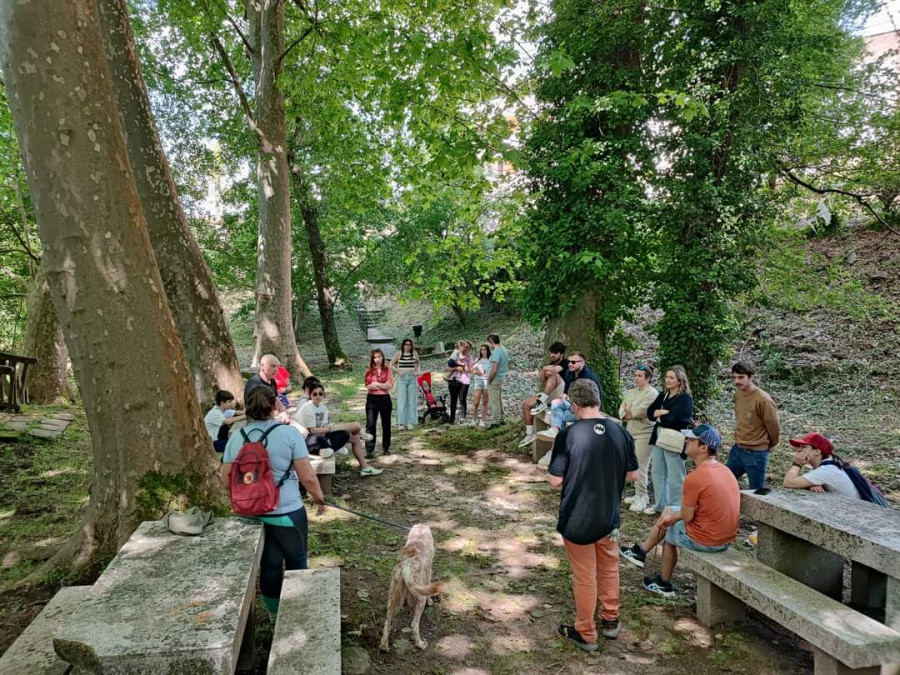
pixel 325 453
pixel 370 471
pixel 342 451
pixel 650 511
pixel 481 424
pixel 545 460
pixel 548 434
pixel 639 504
pixel 539 407
pixel 630 500
pixel 366 436
pixel 525 442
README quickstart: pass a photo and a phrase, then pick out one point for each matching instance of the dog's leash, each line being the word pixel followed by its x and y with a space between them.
pixel 363 515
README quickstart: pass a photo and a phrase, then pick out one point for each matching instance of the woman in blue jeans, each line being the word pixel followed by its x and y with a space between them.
pixel 673 409
pixel 285 525
pixel 406 365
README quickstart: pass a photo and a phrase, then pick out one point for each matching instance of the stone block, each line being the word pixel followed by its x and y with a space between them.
pixel 168 603
pixel 325 483
pixel 17 425
pixel 307 638
pixel 45 433
pixel 51 423
pixel 812 565
pixel 851 528
pixel 68 417
pixel 823 664
pixel 892 603
pixel 868 587
pixel 715 606
pixel 852 638
pixel 32 652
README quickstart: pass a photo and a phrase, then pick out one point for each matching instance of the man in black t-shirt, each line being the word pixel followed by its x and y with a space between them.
pixel 268 366
pixel 592 458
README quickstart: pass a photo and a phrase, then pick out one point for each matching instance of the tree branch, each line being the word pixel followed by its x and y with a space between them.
pixel 238 31
pixel 226 61
pixel 860 199
pixel 294 44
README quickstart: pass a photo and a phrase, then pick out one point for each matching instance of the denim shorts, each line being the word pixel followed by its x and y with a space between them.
pixel 678 536
pixel 480 383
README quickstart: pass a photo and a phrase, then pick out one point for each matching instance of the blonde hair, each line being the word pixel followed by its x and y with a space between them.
pixel 681 375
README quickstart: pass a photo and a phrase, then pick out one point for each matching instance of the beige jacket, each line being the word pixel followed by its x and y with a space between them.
pixel 639 400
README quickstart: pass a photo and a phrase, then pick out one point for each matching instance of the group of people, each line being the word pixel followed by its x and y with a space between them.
pixel 594 456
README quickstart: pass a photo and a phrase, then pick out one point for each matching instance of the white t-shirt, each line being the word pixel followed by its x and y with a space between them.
pixel 214 419
pixel 834 479
pixel 311 415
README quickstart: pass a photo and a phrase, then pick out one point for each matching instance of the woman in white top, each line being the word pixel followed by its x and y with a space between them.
pixel 633 411
pixel 827 469
pixel 458 378
pixel 406 364
pixel 480 370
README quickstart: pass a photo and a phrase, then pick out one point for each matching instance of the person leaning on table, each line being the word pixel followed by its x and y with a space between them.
pixel 826 470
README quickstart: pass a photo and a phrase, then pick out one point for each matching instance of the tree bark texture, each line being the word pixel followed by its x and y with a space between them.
pixel 576 329
pixel 324 293
pixel 143 414
pixel 274 331
pixel 47 380
pixel 186 278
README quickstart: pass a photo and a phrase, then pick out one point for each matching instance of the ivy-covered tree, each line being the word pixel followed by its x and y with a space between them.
pixel 588 167
pixel 757 66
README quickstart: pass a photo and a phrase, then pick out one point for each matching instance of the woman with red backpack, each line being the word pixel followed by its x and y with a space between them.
pixel 257 481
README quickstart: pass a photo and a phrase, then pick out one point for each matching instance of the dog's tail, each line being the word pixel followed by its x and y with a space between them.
pixel 433 588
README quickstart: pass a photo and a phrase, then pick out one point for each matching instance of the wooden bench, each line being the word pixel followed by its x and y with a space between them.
pixel 307 638
pixel 169 603
pixel 13 370
pixel 845 640
pixel 807 536
pixel 32 652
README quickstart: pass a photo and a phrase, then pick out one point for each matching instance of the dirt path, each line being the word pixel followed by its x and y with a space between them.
pixel 508 580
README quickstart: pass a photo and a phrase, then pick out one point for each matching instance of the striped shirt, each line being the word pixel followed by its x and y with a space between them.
pixel 406 363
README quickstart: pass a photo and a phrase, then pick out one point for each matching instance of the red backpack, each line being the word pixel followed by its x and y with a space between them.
pixel 253 488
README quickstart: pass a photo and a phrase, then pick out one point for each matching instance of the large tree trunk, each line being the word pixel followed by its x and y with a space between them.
pixel 324 293
pixel 274 331
pixel 576 328
pixel 144 418
pixel 186 277
pixel 47 380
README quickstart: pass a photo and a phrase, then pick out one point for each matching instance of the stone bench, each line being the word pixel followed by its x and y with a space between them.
pixel 808 536
pixel 169 603
pixel 844 640
pixel 540 446
pixel 307 637
pixel 32 652
pixel 325 469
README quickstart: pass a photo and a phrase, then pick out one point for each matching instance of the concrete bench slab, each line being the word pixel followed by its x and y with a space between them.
pixel 729 580
pixel 168 603
pixel 325 469
pixel 32 652
pixel 307 638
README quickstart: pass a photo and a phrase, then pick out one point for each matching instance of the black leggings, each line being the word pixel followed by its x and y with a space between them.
pixel 378 404
pixel 458 392
pixel 284 548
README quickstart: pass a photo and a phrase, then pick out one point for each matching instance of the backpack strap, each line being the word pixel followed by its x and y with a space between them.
pixel 265 434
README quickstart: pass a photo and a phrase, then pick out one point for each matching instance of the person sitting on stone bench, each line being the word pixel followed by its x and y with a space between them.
pixel 706 521
pixel 314 416
pixel 827 471
pixel 552 388
pixel 220 418
pixel 560 409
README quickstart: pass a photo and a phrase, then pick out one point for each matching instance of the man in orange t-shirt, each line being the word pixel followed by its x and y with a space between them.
pixel 707 519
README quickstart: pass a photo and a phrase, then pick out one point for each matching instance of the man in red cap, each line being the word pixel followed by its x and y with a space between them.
pixel 826 470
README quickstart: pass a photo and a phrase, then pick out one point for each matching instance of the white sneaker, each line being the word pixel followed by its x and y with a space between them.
pixel 639 504
pixel 481 424
pixel 539 407
pixel 525 442
pixel 548 434
pixel 366 436
pixel 545 460
pixel 343 451
pixel 325 453
pixel 650 511
pixel 630 500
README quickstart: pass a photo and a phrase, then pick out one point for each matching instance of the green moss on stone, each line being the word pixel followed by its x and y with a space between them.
pixel 160 493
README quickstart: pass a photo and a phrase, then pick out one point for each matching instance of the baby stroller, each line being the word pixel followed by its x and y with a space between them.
pixel 435 406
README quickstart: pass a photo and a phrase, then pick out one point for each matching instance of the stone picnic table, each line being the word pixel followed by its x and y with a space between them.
pixel 807 536
pixel 13 370
pixel 169 603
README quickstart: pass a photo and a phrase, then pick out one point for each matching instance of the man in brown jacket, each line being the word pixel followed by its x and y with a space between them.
pixel 756 430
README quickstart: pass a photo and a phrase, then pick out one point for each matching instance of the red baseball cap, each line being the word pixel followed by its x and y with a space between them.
pixel 818 441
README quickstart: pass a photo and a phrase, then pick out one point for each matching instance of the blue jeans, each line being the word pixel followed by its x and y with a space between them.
pixel 407 399
pixel 750 462
pixel 668 472
pixel 561 414
pixel 678 536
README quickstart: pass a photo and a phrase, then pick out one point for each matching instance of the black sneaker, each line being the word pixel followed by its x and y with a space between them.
pixel 569 634
pixel 385 452
pixel 370 455
pixel 655 584
pixel 634 554
pixel 609 628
